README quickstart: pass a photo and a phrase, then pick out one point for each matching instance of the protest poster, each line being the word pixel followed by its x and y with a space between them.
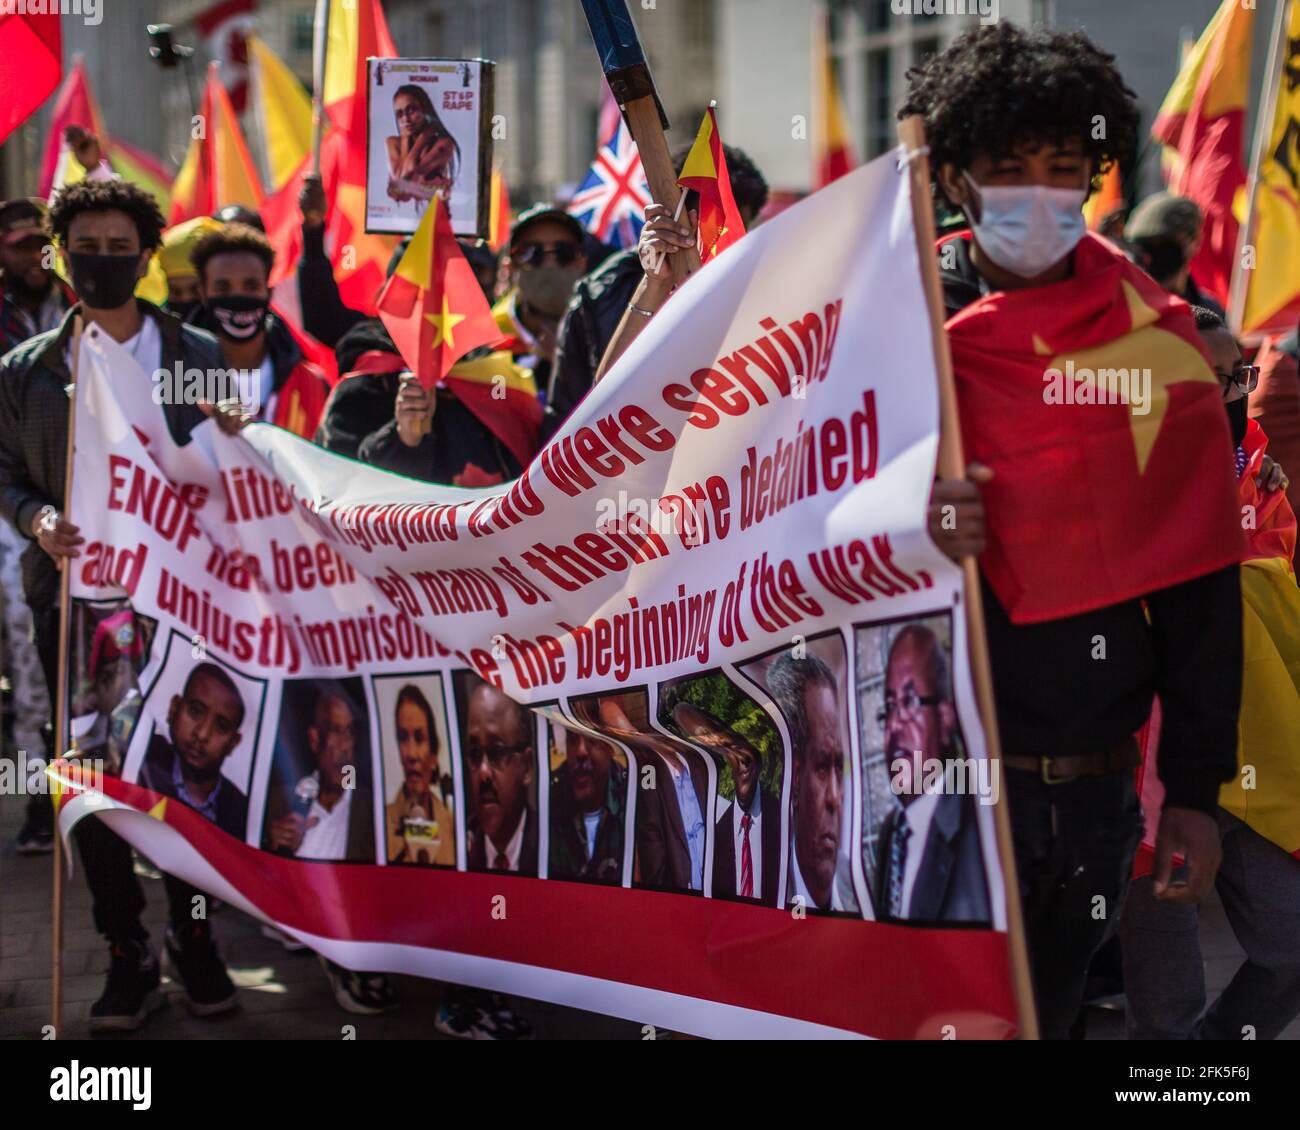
pixel 631 733
pixel 430 133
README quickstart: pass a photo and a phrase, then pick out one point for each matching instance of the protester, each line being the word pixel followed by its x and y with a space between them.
pixel 32 301
pixel 546 257
pixel 1008 118
pixel 1258 882
pixel 176 259
pixel 233 265
pixel 107 232
pixel 1275 404
pixel 600 300
pixel 1165 232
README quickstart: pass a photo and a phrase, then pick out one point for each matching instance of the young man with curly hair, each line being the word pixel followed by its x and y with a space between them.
pixel 106 231
pixel 1020 125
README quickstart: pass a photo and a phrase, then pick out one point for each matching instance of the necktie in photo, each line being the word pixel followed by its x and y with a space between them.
pixel 897 863
pixel 746 859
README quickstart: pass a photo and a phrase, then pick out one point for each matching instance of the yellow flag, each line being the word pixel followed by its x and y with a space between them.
pixel 283 112
pixel 1272 282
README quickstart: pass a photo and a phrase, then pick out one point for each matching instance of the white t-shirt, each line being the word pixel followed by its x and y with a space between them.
pixel 329 838
pixel 145 347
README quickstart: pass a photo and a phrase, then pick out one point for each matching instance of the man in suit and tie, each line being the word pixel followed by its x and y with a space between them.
pixel 747 833
pixel 500 765
pixel 931 867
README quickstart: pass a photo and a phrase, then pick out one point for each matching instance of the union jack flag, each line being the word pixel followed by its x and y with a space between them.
pixel 611 202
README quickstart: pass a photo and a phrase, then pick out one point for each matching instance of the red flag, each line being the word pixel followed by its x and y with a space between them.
pixel 433 307
pixel 1202 122
pixel 1092 401
pixel 31 63
pixel 705 171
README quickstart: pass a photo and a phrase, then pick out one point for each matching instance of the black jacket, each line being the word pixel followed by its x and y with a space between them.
pixel 594 312
pixel 156 774
pixel 724 850
pixel 1054 698
pixel 34 428
pixel 324 314
pixel 950 883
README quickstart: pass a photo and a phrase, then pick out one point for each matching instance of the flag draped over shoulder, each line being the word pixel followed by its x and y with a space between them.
pixel 705 171
pixel 218 169
pixel 31 63
pixel 1202 124
pixel 1093 402
pixel 433 307
pixel 1273 297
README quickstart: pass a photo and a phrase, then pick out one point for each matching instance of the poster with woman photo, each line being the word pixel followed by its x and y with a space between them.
pixel 419 790
pixel 430 123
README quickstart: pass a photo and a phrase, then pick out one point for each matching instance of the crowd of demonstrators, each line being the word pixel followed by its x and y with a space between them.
pixel 1008 116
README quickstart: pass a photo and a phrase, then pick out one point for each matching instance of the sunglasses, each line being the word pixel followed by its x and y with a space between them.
pixel 1245 378
pixel 534 254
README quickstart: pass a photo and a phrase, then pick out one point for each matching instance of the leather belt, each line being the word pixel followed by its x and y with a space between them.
pixel 1071 766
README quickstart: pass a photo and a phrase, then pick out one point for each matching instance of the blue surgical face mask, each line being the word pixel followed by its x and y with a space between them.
pixel 1025 229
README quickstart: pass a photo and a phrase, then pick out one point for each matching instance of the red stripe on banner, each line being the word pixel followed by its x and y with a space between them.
pixel 891 982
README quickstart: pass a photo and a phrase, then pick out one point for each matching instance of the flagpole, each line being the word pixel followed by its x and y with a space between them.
pixel 952 465
pixel 61 702
pixel 320 50
pixel 1240 285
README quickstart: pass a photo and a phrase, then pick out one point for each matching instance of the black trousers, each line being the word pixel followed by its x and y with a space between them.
pixel 1075 844
pixel 117 899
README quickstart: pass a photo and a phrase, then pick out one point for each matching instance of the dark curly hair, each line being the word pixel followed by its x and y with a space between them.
pixel 107 196
pixel 998 87
pixel 228 240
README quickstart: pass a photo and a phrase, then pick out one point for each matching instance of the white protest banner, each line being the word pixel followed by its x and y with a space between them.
pixel 746 663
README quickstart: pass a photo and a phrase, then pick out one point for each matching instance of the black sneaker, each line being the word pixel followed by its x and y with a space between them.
pixel 36 836
pixel 192 959
pixel 473 1014
pixel 131 992
pixel 366 994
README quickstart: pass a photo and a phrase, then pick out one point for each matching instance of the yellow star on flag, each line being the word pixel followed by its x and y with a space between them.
pixel 1108 369
pixel 444 325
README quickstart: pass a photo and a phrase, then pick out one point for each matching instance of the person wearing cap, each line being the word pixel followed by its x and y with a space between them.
pixel 547 257
pixel 117 653
pixel 32 300
pixel 1165 233
pixel 178 244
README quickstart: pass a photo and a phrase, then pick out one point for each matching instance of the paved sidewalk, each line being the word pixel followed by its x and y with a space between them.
pixel 285 995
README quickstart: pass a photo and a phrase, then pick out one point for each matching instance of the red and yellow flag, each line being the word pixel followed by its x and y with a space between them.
pixel 705 171
pixel 1202 124
pixel 433 307
pixel 31 62
pixel 500 217
pixel 833 154
pixel 1106 199
pixel 1094 404
pixel 282 109
pixel 357 29
pixel 218 169
pixel 75 105
pixel 1272 299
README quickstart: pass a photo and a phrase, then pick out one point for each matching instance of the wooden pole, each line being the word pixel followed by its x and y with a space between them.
pixel 61 701
pixel 1240 284
pixel 952 465
pixel 648 133
pixel 320 52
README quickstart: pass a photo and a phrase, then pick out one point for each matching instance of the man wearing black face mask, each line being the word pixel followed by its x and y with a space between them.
pixel 107 231
pixel 279 386
pixel 546 259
